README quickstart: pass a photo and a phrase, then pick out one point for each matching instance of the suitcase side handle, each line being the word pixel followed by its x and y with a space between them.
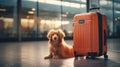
pixel 105 37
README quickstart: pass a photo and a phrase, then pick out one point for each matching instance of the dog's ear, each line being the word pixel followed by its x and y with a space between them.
pixel 50 33
pixel 61 33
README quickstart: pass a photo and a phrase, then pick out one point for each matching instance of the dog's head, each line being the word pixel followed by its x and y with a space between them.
pixel 55 36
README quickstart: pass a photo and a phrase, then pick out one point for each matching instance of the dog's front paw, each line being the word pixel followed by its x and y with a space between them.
pixel 56 57
pixel 47 57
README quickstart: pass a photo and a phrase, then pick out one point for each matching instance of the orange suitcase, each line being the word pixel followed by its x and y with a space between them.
pixel 90 35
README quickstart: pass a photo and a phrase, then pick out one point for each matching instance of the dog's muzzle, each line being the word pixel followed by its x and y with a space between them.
pixel 54 37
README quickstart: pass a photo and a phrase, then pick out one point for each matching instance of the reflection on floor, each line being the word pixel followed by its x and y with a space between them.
pixel 31 54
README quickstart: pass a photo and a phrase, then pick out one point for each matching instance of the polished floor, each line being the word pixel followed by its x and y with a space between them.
pixel 31 54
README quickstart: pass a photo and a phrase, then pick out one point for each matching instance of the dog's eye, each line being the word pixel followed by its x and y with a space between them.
pixel 50 39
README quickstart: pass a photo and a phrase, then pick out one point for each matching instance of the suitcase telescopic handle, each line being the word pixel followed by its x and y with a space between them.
pixel 95 8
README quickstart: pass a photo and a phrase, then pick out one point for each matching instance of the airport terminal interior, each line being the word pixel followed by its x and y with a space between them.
pixel 24 25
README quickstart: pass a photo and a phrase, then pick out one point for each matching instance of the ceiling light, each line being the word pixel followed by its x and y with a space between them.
pixel 82 5
pixel 64 15
pixel 117 11
pixel 30 12
pixel 116 19
pixel 64 3
pixel 119 18
pixel 75 5
pixel 83 0
pixel 1 9
pixel 103 2
pixel 33 9
pixel 67 12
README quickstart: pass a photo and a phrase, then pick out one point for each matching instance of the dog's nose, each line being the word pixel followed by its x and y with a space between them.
pixel 55 38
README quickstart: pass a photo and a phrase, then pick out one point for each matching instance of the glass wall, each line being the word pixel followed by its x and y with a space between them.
pixel 37 17
pixel 116 18
pixel 112 10
pixel 28 15
pixel 68 10
pixel 106 7
pixel 8 14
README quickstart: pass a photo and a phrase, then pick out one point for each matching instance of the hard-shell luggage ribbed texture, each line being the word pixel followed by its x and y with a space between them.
pixel 90 34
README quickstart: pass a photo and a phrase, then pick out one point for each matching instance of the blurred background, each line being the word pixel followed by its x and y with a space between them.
pixel 22 20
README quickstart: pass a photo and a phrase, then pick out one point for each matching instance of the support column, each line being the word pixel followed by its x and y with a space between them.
pixel 88 5
pixel 113 33
pixel 19 20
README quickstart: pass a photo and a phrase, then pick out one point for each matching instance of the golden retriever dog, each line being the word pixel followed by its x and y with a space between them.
pixel 57 46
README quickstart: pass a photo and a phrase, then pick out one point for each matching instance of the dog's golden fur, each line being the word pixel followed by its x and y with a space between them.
pixel 57 46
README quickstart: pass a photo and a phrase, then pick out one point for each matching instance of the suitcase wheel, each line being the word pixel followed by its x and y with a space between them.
pixel 87 57
pixel 90 57
pixel 76 55
pixel 105 56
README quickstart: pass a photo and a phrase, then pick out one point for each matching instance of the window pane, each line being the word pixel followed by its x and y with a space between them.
pixel 116 18
pixel 8 21
pixel 68 13
pixel 106 8
pixel 50 16
pixel 28 15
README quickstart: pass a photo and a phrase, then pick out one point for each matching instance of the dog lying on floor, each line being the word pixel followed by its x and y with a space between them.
pixel 57 46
